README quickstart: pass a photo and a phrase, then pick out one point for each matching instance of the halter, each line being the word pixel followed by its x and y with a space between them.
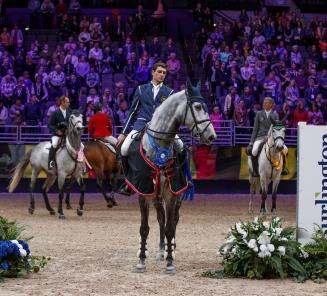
pixel 190 101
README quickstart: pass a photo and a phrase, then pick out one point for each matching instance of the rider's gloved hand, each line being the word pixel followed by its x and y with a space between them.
pixel 249 149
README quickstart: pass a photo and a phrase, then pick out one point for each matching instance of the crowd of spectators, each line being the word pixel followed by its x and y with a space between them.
pixel 281 55
pixel 89 54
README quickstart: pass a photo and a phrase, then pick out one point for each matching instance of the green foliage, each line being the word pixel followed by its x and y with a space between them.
pixel 10 230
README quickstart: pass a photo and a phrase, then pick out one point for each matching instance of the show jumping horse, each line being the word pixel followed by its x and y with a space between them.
pixel 156 150
pixel 270 168
pixel 106 166
pixel 69 163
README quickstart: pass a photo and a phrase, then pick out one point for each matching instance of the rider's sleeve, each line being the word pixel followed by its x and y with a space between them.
pixel 52 123
pixel 255 128
pixel 132 112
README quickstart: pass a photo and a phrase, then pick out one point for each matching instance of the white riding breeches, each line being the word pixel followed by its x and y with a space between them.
pixel 178 144
pixel 256 145
pixel 110 139
pixel 55 141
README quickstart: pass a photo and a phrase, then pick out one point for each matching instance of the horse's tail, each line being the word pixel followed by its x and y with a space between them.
pixel 19 171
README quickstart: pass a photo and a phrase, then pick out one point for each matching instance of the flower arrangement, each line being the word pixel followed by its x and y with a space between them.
pixel 261 249
pixel 15 257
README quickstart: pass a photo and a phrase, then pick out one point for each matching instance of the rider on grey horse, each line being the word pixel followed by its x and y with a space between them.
pixel 263 120
pixel 146 99
pixel 57 125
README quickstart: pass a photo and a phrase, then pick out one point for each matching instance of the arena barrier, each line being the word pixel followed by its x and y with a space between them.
pixel 312 180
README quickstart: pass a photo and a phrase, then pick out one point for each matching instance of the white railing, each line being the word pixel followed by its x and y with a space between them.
pixel 227 134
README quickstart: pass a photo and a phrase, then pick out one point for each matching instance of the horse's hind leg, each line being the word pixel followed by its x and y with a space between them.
pixel 61 183
pixel 112 183
pixel 274 196
pixel 45 189
pixel 170 230
pixel 81 184
pixel 100 187
pixel 35 173
pixel 158 204
pixel 144 232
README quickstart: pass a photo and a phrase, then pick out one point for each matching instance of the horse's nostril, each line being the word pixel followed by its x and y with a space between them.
pixel 211 138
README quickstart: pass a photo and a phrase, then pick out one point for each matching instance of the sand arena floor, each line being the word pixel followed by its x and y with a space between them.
pixel 95 254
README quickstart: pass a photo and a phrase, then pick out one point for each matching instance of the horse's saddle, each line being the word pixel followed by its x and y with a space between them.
pixel 143 176
pixel 111 147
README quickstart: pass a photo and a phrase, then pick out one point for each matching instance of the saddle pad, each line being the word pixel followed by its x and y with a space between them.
pixel 143 176
pixel 108 145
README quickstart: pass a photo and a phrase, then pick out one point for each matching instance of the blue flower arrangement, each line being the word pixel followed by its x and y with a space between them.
pixel 15 254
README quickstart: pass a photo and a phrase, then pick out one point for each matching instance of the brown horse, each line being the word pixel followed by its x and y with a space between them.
pixel 106 166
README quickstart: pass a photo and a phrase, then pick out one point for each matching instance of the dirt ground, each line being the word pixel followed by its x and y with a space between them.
pixel 95 254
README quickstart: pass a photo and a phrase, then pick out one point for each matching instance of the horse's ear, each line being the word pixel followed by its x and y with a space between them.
pixel 189 84
pixel 198 85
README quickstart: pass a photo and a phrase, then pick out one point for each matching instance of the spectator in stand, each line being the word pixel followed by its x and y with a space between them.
pixel 74 7
pixel 247 97
pixel 48 11
pixel 258 39
pixel 292 93
pixel 129 73
pixel 168 48
pixel 120 60
pixel 322 80
pixel 5 37
pixel 315 116
pixel 231 100
pixel 21 91
pixel 300 114
pixel 96 53
pixel 122 113
pixel 73 91
pixel 70 45
pixel 270 86
pixel 82 69
pixel 142 74
pixel 216 117
pixel 173 70
pixel 16 37
pixel 56 82
pixel 84 37
pixel 311 92
pixel 89 111
pixel 32 113
pixel 93 97
pixel 3 114
pixel 16 113
pixel 296 56
pixel 286 115
pixel 92 79
pixel 246 71
pixel 240 115
pixel 53 108
pixel 7 87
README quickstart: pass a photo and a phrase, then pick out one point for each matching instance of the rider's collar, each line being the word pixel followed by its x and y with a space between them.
pixel 158 85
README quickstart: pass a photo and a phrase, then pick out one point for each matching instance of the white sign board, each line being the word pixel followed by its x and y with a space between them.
pixel 311 180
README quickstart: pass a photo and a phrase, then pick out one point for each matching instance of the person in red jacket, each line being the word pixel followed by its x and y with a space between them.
pixel 300 114
pixel 100 126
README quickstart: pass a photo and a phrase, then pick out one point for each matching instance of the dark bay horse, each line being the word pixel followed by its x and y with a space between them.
pixel 106 166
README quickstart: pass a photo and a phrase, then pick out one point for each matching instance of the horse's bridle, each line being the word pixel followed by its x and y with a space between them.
pixel 74 124
pixel 190 101
pixel 275 139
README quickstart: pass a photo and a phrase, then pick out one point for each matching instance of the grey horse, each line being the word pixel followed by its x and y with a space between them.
pixel 270 167
pixel 183 108
pixel 67 165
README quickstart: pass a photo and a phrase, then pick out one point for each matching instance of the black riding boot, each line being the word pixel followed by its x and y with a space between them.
pixel 51 159
pixel 255 166
pixel 125 189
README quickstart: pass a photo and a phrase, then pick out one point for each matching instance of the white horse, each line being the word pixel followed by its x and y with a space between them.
pixel 270 167
pixel 68 164
pixel 183 108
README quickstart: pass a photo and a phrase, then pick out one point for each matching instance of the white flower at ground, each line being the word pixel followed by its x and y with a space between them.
pixel 278 231
pixel 282 250
pixel 252 243
pixel 266 224
pixel 264 238
pixel 256 219
pixel 285 239
pixel 264 254
pixel 227 248
pixel 256 249
pixel 230 239
pixel 271 247
pixel 304 254
pixel 240 230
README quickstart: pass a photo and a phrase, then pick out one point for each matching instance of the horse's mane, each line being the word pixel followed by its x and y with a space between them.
pixel 76 112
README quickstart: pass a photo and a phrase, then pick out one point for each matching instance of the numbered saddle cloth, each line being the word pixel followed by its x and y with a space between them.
pixel 143 176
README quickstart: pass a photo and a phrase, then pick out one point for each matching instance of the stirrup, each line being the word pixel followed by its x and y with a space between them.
pixel 51 164
pixel 125 190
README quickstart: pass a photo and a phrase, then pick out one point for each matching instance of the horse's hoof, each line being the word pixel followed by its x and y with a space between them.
pixel 115 204
pixel 62 216
pixel 274 213
pixel 69 207
pixel 140 268
pixel 109 205
pixel 79 212
pixel 31 211
pixel 160 256
pixel 170 269
pixel 52 212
